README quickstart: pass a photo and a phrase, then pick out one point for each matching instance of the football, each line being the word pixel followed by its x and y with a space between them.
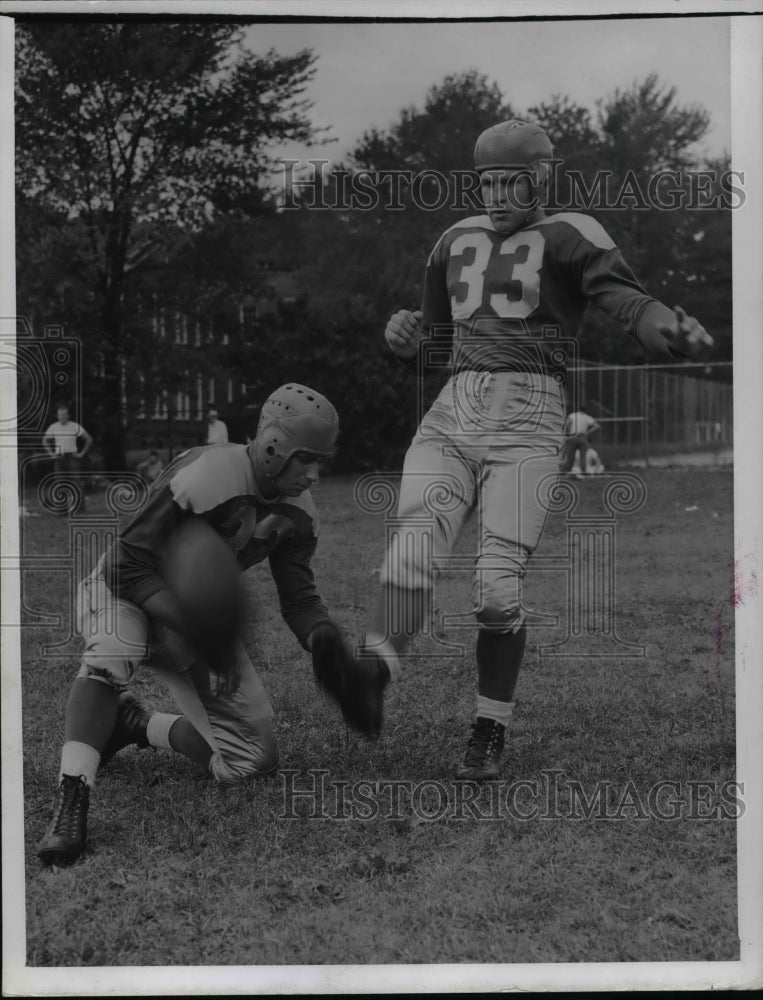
pixel 205 578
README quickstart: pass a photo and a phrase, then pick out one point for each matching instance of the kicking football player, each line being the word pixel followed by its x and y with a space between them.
pixel 502 293
pixel 256 498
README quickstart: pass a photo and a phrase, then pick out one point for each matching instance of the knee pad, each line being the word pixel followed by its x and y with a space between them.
pixel 500 621
pixel 498 601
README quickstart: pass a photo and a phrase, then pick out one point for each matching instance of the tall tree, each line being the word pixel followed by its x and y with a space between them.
pixel 129 126
pixel 439 136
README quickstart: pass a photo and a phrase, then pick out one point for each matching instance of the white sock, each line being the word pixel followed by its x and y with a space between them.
pixel 386 651
pixel 498 711
pixel 158 729
pixel 79 759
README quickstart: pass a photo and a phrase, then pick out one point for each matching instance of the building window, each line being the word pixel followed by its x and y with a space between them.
pixel 183 405
pixel 230 390
pixel 200 396
pixel 181 329
pixel 160 408
pixel 141 411
pixel 211 393
pixel 249 315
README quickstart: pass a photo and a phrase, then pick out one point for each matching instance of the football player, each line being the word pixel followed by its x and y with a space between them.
pixel 256 499
pixel 503 291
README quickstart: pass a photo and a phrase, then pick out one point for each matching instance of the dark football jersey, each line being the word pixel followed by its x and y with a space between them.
pixel 217 483
pixel 508 303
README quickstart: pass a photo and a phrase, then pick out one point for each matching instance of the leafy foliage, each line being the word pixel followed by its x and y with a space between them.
pixel 128 128
pixel 156 186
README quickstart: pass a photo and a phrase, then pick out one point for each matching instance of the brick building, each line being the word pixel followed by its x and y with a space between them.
pixel 201 368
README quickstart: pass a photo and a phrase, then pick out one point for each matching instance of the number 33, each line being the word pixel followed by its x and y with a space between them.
pixel 526 247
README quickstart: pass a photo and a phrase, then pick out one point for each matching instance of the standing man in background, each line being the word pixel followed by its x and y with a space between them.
pixel 578 428
pixel 61 441
pixel 217 432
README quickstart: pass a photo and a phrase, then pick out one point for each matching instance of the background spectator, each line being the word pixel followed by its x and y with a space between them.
pixel 61 441
pixel 217 432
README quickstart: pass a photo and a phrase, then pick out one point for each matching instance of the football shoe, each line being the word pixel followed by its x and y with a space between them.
pixel 130 728
pixel 64 840
pixel 482 760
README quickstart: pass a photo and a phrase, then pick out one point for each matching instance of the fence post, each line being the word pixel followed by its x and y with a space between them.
pixel 645 412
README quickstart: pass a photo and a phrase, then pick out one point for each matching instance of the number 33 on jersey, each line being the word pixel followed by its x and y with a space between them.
pixel 492 289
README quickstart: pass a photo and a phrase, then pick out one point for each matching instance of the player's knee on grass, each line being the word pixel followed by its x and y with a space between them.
pixel 258 755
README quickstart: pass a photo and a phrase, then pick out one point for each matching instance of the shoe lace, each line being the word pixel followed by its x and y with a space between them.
pixel 483 742
pixel 71 801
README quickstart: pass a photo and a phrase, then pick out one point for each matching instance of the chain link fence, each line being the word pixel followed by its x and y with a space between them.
pixel 652 410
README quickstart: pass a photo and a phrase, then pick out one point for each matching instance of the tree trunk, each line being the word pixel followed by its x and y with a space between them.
pixel 111 431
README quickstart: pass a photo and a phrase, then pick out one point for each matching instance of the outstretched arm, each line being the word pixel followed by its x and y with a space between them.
pixel 670 332
pixel 301 605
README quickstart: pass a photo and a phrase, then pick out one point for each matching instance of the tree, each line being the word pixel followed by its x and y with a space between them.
pixel 358 265
pixel 645 128
pixel 439 136
pixel 128 127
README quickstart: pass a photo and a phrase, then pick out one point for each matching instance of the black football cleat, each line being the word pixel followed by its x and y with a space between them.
pixel 65 838
pixel 130 728
pixel 367 702
pixel 482 760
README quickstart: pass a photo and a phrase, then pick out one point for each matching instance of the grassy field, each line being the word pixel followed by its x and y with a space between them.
pixel 180 872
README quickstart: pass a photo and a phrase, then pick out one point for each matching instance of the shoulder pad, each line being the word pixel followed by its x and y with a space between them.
pixel 584 225
pixel 215 475
pixel 306 504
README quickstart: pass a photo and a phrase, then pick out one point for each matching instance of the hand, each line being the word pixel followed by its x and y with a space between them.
pixel 404 332
pixel 685 333
pixel 357 692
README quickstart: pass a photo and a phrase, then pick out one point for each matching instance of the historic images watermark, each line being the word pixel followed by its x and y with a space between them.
pixel 314 795
pixel 315 184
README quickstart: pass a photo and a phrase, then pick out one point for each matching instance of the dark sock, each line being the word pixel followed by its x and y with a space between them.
pixel 91 711
pixel 185 739
pixel 499 657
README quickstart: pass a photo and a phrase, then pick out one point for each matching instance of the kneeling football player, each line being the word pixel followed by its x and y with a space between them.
pixel 137 608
